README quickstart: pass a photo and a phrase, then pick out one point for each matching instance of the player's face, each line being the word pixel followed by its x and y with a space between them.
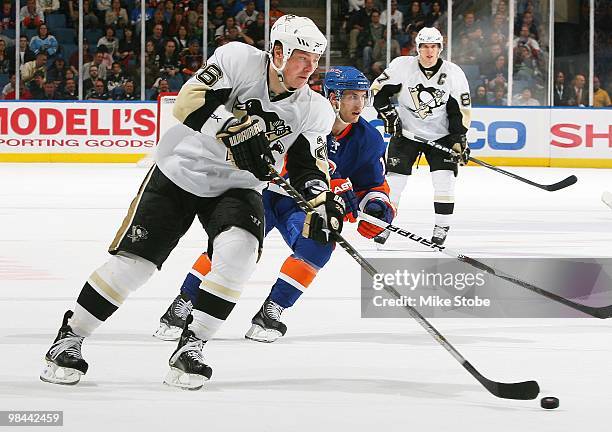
pixel 428 54
pixel 351 105
pixel 299 67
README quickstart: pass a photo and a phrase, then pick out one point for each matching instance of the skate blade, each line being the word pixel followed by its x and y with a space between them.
pixel 179 379
pixel 168 333
pixel 55 374
pixel 260 334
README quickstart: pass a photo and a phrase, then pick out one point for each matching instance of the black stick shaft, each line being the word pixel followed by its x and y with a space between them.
pixel 551 188
pixel 522 390
pixel 597 312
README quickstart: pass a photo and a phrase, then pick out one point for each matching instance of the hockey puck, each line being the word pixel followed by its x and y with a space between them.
pixel 549 402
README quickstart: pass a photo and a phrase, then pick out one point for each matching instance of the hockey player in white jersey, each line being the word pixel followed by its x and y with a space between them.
pixel 244 109
pixel 434 102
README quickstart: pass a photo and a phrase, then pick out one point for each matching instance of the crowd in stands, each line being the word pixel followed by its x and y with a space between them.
pixel 48 49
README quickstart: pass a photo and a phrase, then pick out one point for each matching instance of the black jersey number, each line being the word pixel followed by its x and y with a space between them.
pixel 210 75
pixel 465 99
pixel 383 77
pixel 441 79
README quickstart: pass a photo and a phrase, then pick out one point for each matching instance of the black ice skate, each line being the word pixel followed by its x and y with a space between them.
pixel 65 364
pixel 266 325
pixel 172 322
pixel 187 368
pixel 439 234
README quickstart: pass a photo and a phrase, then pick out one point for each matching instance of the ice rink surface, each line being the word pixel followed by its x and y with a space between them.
pixel 334 371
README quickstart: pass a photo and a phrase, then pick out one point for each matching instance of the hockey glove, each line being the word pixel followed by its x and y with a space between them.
pixel 344 188
pixel 458 144
pixel 248 147
pixel 392 122
pixel 379 209
pixel 328 215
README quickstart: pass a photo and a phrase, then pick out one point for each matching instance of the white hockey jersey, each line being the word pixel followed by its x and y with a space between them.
pixel 431 107
pixel 234 81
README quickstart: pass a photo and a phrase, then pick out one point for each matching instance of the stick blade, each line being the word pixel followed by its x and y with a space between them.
pixel 526 390
pixel 562 184
pixel 606 197
pixel 602 312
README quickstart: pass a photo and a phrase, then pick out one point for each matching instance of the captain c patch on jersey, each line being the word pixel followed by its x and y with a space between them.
pixel 425 99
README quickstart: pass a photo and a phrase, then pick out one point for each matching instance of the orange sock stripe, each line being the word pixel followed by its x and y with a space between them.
pixel 202 265
pixel 299 270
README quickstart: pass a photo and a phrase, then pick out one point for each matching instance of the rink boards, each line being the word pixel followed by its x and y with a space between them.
pixel 127 131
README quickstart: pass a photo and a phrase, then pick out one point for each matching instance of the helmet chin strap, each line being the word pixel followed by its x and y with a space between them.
pixel 280 74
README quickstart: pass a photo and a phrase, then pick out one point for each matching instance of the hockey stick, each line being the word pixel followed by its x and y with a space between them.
pixel 551 187
pixel 521 390
pixel 606 197
pixel 597 312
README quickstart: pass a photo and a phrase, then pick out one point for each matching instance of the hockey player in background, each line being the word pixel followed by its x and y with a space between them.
pixel 433 102
pixel 213 165
pixel 356 153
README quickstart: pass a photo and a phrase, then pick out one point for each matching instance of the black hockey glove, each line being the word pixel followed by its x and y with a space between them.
pixel 392 122
pixel 328 215
pixel 458 144
pixel 248 147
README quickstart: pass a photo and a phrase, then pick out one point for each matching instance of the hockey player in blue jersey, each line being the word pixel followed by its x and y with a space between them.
pixel 356 153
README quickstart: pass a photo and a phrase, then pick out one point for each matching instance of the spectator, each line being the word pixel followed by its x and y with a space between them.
pixel 98 60
pixel 235 35
pixel 397 18
pixel 233 7
pixel 9 87
pixel 90 19
pixel 49 91
pixel 29 69
pixel 135 16
pixel 499 25
pixel 58 70
pixel 256 31
pixel 223 31
pixel 217 19
pixel 525 40
pixel 168 11
pixel 181 39
pixel 373 33
pixel 379 54
pixel 31 16
pixel 562 95
pixel 129 46
pixel 157 37
pixel 160 86
pixel 7 15
pixel 70 91
pixel 468 51
pixel 25 53
pixel 127 93
pixel 436 18
pixel 24 92
pixel 581 95
pixel 601 98
pixel 193 14
pixel 358 22
pixel 169 64
pixel 191 58
pixel 525 66
pixel 176 22
pixel 414 19
pixel 109 41
pixel 7 59
pixel 488 64
pixel 116 78
pixel 275 12
pixel 498 77
pixel 92 73
pixel 248 15
pixel 499 98
pixel 151 63
pixel 116 16
pixel 36 85
pixel 525 99
pixel 44 42
pixel 158 18
pixel 49 6
pixel 528 21
pixel 355 5
pixel 479 98
pixel 98 92
pixel 102 6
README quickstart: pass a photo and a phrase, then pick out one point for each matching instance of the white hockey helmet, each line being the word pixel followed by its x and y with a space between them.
pixel 294 32
pixel 429 35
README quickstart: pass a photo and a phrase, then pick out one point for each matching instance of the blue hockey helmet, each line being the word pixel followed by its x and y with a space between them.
pixel 340 78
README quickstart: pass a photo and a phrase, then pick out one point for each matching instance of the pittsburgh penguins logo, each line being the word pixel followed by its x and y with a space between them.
pixel 425 99
pixel 275 126
pixel 321 150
